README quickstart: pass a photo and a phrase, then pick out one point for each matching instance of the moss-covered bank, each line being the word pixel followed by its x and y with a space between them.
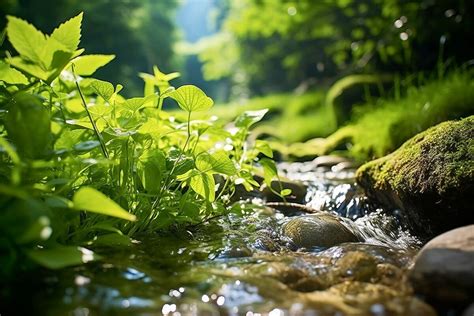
pixel 430 178
pixel 379 128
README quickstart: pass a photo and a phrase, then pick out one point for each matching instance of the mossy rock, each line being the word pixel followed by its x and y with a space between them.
pixel 430 178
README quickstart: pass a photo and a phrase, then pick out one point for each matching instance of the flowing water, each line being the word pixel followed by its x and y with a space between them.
pixel 243 265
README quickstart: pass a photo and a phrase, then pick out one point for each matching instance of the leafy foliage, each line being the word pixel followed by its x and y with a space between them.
pixel 145 28
pixel 273 45
pixel 82 164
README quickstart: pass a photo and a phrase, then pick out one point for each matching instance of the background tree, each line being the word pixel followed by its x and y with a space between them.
pixel 275 45
pixel 139 32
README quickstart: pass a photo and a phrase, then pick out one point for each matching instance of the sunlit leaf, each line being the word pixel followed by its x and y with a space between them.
pixel 134 104
pixel 218 162
pixel 62 256
pixel 249 118
pixel 269 170
pixel 103 88
pixel 89 199
pixel 204 185
pixel 160 76
pixel 88 64
pixel 263 147
pixel 190 98
pixel 32 69
pixel 10 75
pixel 26 39
pixel 69 33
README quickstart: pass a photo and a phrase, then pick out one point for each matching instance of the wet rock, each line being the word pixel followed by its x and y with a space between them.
pixel 342 166
pixel 298 191
pixel 318 230
pixel 357 265
pixel 430 178
pixel 361 298
pixel 235 252
pixel 291 209
pixel 444 268
pixel 329 161
pixel 266 240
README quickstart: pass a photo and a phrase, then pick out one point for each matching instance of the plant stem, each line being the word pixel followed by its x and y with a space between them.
pixel 167 185
pixel 94 126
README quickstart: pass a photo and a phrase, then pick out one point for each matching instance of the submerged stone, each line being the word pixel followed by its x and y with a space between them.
pixel 430 178
pixel 317 230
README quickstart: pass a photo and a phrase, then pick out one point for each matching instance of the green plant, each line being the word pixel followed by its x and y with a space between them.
pixel 81 165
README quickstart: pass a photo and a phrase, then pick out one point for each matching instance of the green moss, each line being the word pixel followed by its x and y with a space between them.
pixel 378 129
pixel 430 177
pixel 438 159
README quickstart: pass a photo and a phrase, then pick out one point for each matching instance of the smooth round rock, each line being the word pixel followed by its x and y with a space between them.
pixel 318 230
pixel 444 268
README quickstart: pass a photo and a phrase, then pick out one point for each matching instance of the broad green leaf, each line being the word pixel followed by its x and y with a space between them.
pixel 134 104
pixel 86 123
pixel 62 256
pixel 28 125
pixel 88 64
pixel 218 162
pixel 249 118
pixel 187 175
pixel 32 69
pixel 269 170
pixel 160 76
pixel 103 88
pixel 285 192
pixel 149 84
pixel 263 147
pixel 58 202
pixel 89 199
pixel 26 39
pixel 10 75
pixel 150 168
pixel 59 60
pixel 204 185
pixel 190 98
pixel 69 33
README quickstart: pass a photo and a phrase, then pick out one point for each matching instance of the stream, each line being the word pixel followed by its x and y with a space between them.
pixel 242 264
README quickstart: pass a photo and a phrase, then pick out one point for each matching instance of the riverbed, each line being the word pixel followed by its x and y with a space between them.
pixel 242 264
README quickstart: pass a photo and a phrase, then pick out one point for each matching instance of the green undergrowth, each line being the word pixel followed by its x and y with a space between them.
pixel 291 117
pixel 82 166
pixel 379 128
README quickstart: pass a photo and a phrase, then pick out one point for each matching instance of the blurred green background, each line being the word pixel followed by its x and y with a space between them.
pixel 241 48
pixel 317 65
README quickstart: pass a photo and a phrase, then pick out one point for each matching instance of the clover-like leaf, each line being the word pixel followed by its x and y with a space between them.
pixel 102 88
pixel 190 98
